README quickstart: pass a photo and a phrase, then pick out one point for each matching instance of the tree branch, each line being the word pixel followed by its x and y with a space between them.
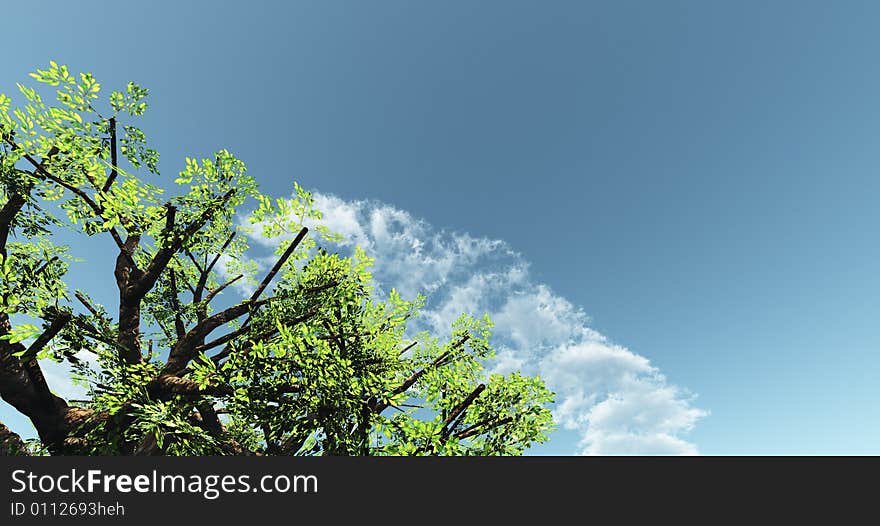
pixel 14 204
pixel 168 334
pixel 408 347
pixel 7 214
pixel 38 167
pixel 54 328
pixel 213 293
pixel 94 333
pixel 184 350
pixel 42 268
pixel 214 261
pixel 229 337
pixel 23 386
pixel 196 263
pixel 241 330
pixel 127 272
pixel 82 299
pixel 169 220
pixel 409 382
pixel 452 420
pixel 321 288
pixel 114 161
pixel 163 255
pixel 205 273
pixel 280 263
pixel 265 283
pixel 475 429
pixel 210 420
pixel 168 384
pixel 125 265
pixel 175 304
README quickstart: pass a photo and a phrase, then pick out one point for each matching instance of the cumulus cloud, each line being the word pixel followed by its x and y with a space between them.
pixel 615 399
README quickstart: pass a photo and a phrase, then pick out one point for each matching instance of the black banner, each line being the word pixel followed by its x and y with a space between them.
pixel 238 490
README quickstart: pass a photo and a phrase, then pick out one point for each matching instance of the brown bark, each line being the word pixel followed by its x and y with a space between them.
pixel 184 350
pixel 16 201
pixel 210 420
pixel 168 384
pixel 23 386
pixel 134 283
pixel 7 214
pixel 126 272
pixel 10 443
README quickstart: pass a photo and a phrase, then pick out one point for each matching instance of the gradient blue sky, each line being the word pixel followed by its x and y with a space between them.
pixel 700 177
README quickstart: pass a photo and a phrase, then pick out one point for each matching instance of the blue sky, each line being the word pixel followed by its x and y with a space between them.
pixel 694 183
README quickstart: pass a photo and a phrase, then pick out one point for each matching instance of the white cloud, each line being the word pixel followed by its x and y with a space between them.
pixel 615 399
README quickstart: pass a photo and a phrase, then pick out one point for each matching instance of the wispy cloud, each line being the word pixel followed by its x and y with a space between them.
pixel 616 400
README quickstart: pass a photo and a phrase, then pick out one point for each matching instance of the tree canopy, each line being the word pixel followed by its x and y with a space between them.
pixel 311 362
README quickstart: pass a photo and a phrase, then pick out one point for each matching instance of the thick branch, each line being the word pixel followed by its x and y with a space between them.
pixel 23 386
pixel 134 284
pixel 210 420
pixel 7 214
pixel 129 306
pixel 126 268
pixel 168 384
pixel 184 350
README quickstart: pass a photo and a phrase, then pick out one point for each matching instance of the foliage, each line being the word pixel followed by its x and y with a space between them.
pixel 312 363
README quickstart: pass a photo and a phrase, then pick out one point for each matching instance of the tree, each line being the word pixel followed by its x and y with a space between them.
pixel 311 362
